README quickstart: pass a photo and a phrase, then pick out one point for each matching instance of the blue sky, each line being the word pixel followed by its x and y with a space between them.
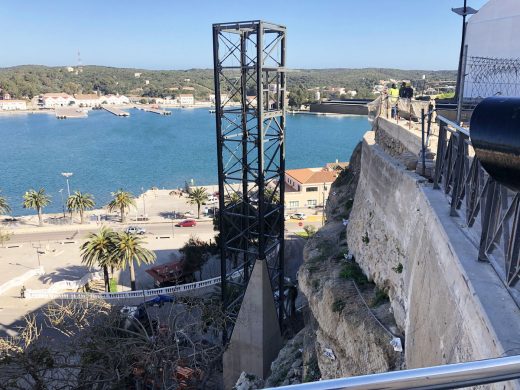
pixel 171 34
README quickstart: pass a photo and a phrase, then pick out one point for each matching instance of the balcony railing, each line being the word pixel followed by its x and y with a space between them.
pixel 490 210
pixel 450 376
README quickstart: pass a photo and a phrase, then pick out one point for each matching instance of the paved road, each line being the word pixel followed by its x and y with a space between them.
pixel 67 234
pixel 70 233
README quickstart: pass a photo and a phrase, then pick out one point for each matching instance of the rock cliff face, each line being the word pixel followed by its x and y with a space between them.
pixel 353 325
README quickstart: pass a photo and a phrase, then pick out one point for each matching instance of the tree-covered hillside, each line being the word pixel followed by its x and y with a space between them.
pixel 32 80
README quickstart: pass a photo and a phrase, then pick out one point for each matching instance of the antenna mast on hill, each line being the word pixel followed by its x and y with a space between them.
pixel 79 68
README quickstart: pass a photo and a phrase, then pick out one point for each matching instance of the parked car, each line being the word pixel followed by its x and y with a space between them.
pixel 135 230
pixel 300 216
pixel 187 223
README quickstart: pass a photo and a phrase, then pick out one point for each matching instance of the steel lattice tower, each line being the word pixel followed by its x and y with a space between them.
pixel 250 94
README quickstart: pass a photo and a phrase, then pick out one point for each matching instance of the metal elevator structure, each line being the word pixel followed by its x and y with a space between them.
pixel 250 96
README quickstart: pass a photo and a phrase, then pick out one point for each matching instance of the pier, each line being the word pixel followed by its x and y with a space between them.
pixel 154 110
pixel 116 111
pixel 67 112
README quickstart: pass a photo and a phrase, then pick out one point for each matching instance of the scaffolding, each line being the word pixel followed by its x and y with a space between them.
pixel 250 98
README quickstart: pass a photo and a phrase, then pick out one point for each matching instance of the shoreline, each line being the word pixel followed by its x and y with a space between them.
pixel 120 106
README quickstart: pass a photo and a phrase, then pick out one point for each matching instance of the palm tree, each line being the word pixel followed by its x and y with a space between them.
pixel 98 251
pixel 36 200
pixel 198 196
pixel 233 198
pixel 4 206
pixel 129 248
pixel 122 200
pixel 80 202
pixel 272 195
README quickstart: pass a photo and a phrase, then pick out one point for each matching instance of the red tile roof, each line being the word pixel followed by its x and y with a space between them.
pixel 311 175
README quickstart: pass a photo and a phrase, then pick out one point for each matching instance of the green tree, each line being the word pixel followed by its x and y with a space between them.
pixel 36 200
pixel 98 251
pixel 121 201
pixel 198 196
pixel 128 248
pixel 4 206
pixel 272 195
pixel 80 202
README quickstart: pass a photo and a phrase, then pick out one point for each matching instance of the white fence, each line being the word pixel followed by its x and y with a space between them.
pixel 74 284
pixel 49 294
pixel 20 280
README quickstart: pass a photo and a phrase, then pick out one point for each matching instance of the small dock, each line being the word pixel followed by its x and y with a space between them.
pixel 116 111
pixel 68 112
pixel 155 110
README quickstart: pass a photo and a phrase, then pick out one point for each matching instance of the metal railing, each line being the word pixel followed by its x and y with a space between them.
pixel 474 193
pixel 450 376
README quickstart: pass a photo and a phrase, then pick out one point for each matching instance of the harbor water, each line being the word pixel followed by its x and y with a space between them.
pixel 105 152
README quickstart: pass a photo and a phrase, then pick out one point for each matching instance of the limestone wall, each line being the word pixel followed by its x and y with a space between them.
pixel 402 237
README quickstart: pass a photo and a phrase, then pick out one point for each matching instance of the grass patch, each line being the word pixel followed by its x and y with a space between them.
pixel 353 271
pixel 380 298
pixel 302 235
pixel 113 285
pixel 312 373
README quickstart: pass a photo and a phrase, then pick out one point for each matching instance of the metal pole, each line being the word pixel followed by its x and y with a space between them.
pixel 460 96
pixel 260 140
pixel 463 40
pixel 220 142
pixel 62 202
pixel 68 188
pixel 422 143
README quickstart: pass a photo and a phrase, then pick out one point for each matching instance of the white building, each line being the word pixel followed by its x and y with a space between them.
pixel 137 75
pixel 13 105
pixel 114 99
pixel 223 98
pixel 186 99
pixel 53 100
pixel 493 50
pixel 87 100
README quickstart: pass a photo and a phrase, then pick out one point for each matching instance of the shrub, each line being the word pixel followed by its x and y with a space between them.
pixel 353 271
pixel 380 298
pixel 338 306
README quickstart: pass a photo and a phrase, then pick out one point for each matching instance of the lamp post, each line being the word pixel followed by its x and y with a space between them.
pixel 144 202
pixel 462 11
pixel 66 175
pixel 62 202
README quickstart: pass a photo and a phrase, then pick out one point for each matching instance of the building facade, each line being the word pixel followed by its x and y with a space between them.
pixel 87 100
pixel 53 100
pixel 308 187
pixel 13 105
pixel 186 99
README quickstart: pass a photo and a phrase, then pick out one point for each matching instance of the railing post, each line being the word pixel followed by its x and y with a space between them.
pixel 458 175
pixel 440 155
pixel 422 143
pixel 486 219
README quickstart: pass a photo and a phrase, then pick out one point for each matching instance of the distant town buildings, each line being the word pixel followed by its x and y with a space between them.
pixel 309 187
pixel 186 99
pixel 53 100
pixel 223 98
pixel 12 105
pixel 114 99
pixel 137 75
pixel 87 100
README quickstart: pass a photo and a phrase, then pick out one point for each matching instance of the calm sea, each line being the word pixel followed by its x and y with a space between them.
pixel 106 152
